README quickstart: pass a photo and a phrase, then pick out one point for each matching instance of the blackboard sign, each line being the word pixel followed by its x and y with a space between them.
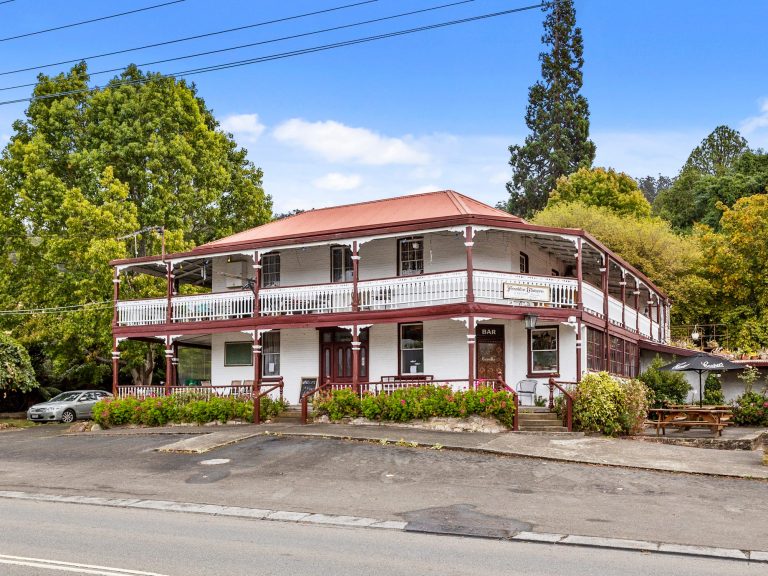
pixel 308 383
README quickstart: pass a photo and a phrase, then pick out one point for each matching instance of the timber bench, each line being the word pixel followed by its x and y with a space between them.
pixel 685 418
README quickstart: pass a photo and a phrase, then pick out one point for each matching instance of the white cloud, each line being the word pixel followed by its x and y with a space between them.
pixel 339 143
pixel 338 181
pixel 245 127
pixel 645 153
pixel 755 123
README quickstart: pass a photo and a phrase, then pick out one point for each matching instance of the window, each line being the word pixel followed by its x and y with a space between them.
pixel 623 357
pixel 524 266
pixel 270 354
pixel 341 264
pixel 238 354
pixel 594 350
pixel 411 348
pixel 270 270
pixel 411 256
pixel 543 351
pixel 555 272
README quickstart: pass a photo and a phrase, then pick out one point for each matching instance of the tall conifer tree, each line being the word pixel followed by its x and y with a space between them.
pixel 557 115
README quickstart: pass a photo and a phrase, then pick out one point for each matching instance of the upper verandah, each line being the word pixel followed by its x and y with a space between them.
pixel 390 216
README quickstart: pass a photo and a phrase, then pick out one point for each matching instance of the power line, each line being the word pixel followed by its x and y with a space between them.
pixel 101 18
pixel 262 42
pixel 271 57
pixel 102 305
pixel 208 34
pixel 6 2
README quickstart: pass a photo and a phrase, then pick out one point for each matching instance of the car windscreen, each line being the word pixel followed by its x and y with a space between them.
pixel 65 397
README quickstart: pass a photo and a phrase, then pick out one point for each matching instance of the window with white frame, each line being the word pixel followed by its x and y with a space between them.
pixel 270 270
pixel 543 347
pixel 524 263
pixel 270 353
pixel 411 256
pixel 411 338
pixel 341 264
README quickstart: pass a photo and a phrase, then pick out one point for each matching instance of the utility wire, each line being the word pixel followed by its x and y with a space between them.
pixel 101 18
pixel 271 57
pixel 262 42
pixel 102 305
pixel 6 2
pixel 208 34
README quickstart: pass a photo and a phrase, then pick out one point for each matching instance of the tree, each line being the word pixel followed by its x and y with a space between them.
pixel 600 187
pixel 557 116
pixel 717 152
pixel 84 169
pixel 651 187
pixel 16 373
pixel 694 197
pixel 737 256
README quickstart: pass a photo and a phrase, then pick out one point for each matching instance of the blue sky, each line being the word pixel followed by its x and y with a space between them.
pixel 432 110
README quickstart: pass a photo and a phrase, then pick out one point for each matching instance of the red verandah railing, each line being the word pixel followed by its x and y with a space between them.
pixel 568 416
pixel 389 385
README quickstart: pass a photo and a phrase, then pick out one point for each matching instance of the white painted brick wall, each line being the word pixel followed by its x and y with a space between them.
pixel 383 350
pixel 445 349
pixel 378 259
pixel 299 357
pixel 223 375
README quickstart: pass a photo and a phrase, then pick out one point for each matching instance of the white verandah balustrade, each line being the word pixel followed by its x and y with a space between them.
pixel 489 287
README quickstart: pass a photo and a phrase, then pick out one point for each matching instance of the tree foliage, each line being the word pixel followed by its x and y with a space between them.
pixel 84 169
pixel 721 169
pixel 651 187
pixel 717 152
pixel 557 116
pixel 737 256
pixel 16 373
pixel 600 187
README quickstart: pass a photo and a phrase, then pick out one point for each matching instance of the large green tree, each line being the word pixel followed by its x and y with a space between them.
pixel 557 116
pixel 83 169
pixel 717 152
pixel 600 187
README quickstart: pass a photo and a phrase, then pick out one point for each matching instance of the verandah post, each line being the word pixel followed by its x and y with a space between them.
pixel 468 243
pixel 115 366
pixel 356 359
pixel 579 307
pixel 168 365
pixel 256 377
pixel 606 311
pixel 355 278
pixel 471 350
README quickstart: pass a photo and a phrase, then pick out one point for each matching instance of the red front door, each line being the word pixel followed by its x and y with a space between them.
pixel 336 355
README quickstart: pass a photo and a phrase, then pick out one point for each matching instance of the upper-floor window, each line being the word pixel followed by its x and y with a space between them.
pixel 410 256
pixel 341 264
pixel 270 270
pixel 524 265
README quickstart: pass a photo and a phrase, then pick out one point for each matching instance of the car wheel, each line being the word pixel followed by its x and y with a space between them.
pixel 68 416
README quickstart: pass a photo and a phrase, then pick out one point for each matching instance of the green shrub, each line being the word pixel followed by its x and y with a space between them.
pixel 668 387
pixel 609 406
pixel 713 390
pixel 418 403
pixel 190 407
pixel 751 409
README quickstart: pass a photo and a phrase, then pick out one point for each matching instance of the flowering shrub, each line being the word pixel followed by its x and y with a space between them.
pixel 186 407
pixel 751 409
pixel 668 387
pixel 418 402
pixel 604 404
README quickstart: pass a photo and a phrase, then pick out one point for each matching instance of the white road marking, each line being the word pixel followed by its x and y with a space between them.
pixel 72 566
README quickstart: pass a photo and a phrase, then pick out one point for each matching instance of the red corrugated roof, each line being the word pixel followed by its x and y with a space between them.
pixel 374 214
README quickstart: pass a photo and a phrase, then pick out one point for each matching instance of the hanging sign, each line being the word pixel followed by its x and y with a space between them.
pixel 527 292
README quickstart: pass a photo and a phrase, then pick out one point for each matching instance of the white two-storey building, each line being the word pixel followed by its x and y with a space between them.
pixel 432 285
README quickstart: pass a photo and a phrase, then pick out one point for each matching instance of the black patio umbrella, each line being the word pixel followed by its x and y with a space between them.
pixel 702 363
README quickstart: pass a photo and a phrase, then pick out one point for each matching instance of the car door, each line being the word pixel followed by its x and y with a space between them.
pixel 85 404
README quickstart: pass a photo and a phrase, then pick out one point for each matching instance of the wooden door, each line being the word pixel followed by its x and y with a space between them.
pixel 336 355
pixel 489 344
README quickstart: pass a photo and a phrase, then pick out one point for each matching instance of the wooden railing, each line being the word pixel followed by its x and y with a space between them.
pixel 410 291
pixel 212 306
pixel 489 287
pixel 568 416
pixel 319 299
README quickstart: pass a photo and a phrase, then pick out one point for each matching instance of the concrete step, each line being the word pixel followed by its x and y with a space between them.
pixel 543 429
pixel 543 417
pixel 528 423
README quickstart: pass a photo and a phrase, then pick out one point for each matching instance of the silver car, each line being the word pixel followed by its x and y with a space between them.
pixel 67 407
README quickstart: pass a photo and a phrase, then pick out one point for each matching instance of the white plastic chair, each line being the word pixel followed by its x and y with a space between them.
pixel 526 388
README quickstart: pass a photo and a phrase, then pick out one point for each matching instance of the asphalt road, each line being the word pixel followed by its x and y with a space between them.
pixel 455 492
pixel 38 538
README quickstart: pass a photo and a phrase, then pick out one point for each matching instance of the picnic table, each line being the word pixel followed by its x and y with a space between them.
pixel 687 417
